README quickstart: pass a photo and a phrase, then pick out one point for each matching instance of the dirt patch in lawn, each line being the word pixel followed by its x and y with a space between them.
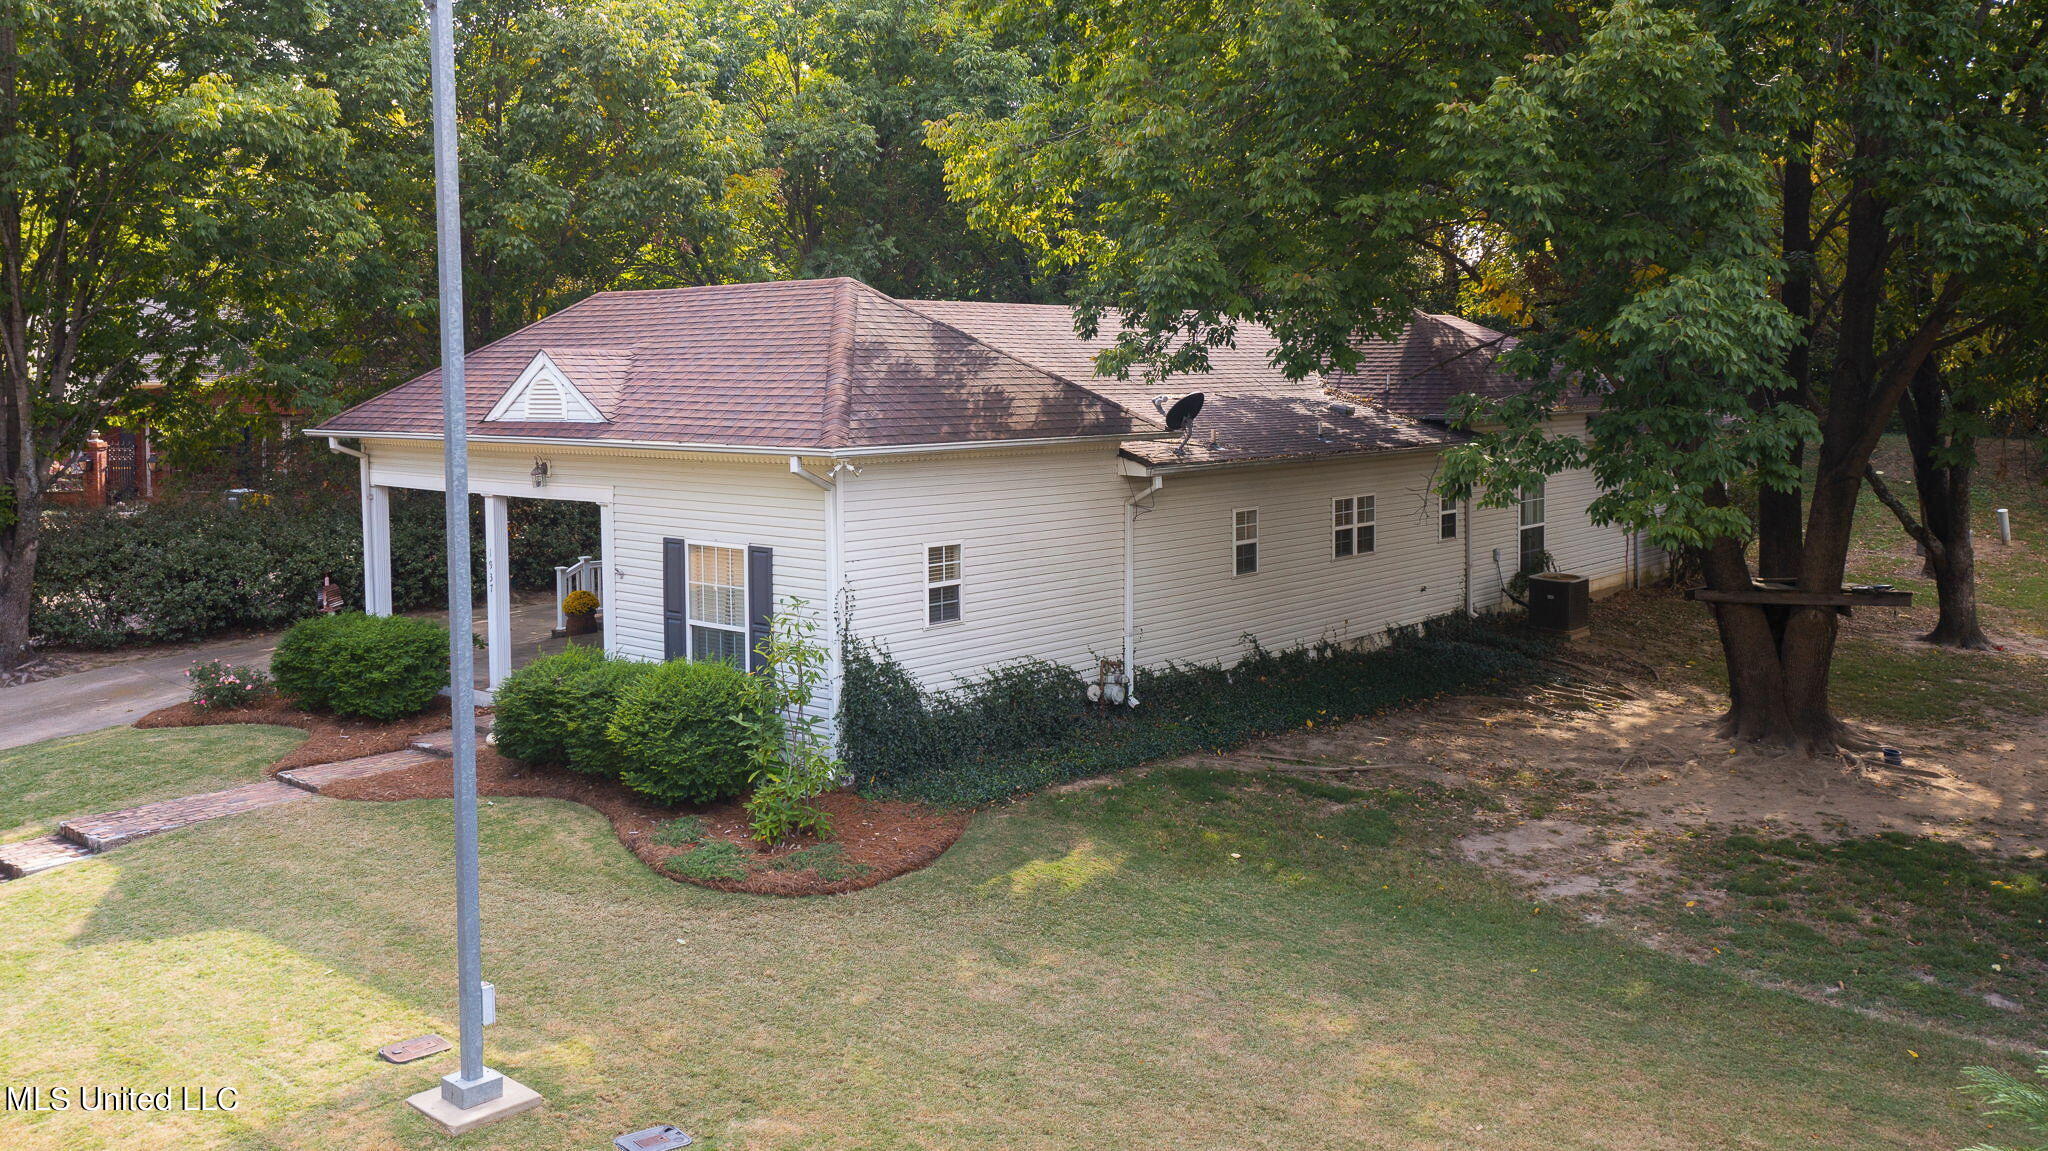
pixel 329 738
pixel 873 841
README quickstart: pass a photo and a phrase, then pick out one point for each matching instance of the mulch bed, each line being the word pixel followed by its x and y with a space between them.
pixel 876 840
pixel 328 738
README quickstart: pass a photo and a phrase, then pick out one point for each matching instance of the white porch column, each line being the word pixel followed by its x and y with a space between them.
pixel 610 575
pixel 376 502
pixel 498 588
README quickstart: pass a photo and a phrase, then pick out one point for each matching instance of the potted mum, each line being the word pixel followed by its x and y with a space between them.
pixel 579 610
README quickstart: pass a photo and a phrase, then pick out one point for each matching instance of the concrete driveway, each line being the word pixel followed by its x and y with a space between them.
pixel 117 694
pixel 125 692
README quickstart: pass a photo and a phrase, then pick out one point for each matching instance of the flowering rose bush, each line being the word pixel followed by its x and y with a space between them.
pixel 220 686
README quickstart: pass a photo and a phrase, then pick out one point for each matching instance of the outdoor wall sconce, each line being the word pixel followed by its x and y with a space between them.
pixel 540 473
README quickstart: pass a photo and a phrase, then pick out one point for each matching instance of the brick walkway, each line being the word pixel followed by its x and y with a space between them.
pixel 88 835
pixel 33 855
pixel 97 833
pixel 319 776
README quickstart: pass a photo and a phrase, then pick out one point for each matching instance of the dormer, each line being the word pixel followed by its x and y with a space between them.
pixel 543 394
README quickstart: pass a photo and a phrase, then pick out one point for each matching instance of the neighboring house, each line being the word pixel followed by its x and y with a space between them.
pixel 952 481
pixel 114 467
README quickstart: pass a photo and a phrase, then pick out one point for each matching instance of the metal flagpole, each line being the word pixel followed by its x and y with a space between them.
pixel 474 1084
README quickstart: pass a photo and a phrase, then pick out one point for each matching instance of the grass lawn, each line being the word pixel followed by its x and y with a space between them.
pixel 2012 580
pixel 80 775
pixel 1183 960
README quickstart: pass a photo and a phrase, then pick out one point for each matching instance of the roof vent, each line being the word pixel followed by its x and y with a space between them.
pixel 542 394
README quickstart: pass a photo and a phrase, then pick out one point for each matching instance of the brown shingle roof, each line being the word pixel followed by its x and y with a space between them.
pixel 1436 359
pixel 834 364
pixel 812 364
pixel 1252 410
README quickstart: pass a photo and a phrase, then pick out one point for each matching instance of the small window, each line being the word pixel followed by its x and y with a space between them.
pixel 1352 524
pixel 718 603
pixel 1245 537
pixel 942 583
pixel 1532 525
pixel 1446 518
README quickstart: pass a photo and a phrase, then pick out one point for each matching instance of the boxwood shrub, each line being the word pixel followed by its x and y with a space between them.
pixel 375 667
pixel 558 709
pixel 681 731
pixel 1025 727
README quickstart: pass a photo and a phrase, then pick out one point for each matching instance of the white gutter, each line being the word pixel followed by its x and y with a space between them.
pixel 1169 469
pixel 1132 511
pixel 797 469
pixel 334 445
pixel 762 449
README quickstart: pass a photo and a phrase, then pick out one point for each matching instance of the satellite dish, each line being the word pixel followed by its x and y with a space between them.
pixel 1183 411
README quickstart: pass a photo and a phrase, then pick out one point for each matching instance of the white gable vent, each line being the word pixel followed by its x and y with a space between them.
pixel 542 394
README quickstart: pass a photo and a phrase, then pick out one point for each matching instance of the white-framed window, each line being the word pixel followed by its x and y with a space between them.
pixel 1353 523
pixel 1532 524
pixel 1446 518
pixel 718 603
pixel 1244 539
pixel 941 583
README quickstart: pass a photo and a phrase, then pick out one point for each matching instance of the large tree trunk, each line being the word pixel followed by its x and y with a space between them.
pixel 1778 662
pixel 18 546
pixel 1942 472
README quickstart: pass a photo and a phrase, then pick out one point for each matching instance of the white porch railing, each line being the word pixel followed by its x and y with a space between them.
pixel 586 574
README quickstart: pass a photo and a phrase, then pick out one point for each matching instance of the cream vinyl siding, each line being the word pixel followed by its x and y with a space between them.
pixel 1041 556
pixel 1576 545
pixel 733 501
pixel 1192 607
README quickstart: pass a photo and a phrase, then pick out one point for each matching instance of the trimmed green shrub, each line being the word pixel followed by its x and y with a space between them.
pixel 683 732
pixel 376 667
pixel 558 709
pixel 299 664
pixel 594 696
pixel 529 707
pixel 993 737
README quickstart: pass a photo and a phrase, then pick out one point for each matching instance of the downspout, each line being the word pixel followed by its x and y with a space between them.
pixel 830 484
pixel 1465 522
pixel 363 501
pixel 1132 510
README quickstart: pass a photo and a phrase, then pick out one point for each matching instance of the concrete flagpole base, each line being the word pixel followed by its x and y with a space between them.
pixel 438 1104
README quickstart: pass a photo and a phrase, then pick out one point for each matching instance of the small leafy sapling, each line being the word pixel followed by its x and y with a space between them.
pixel 791 759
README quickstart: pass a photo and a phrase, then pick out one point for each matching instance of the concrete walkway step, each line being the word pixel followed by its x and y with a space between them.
pixel 320 775
pixel 442 743
pixel 99 832
pixel 32 855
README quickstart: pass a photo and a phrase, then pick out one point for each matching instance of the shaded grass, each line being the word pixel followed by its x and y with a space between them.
pixel 44 783
pixel 1892 921
pixel 2012 581
pixel 1873 679
pixel 1117 967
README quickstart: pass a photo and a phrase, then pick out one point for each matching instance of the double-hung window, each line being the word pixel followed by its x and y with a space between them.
pixel 718 603
pixel 1446 518
pixel 1532 524
pixel 1352 523
pixel 942 583
pixel 1244 537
